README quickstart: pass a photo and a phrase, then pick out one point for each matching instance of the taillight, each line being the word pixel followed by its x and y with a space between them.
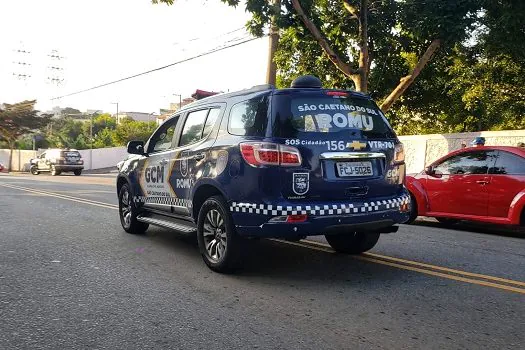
pixel 337 93
pixel 399 153
pixel 267 153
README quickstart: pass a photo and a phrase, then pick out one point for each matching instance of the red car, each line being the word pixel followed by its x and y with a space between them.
pixel 485 183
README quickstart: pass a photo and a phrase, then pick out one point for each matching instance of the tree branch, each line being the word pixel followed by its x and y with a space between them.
pixel 339 63
pixel 405 82
pixel 351 9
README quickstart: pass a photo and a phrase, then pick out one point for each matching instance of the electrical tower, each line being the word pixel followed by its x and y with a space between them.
pixel 22 66
pixel 55 74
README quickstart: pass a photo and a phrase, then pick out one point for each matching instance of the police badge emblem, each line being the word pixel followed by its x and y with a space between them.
pixel 301 183
pixel 184 163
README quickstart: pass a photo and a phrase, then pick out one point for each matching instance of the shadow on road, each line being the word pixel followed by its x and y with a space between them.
pixel 282 263
pixel 476 227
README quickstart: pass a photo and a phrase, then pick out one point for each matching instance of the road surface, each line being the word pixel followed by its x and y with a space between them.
pixel 71 278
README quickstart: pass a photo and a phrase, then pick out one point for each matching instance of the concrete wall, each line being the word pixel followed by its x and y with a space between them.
pixel 93 159
pixel 420 150
pixel 103 157
pixel 19 158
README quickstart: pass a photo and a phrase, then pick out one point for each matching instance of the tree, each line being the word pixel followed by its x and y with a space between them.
pixel 17 120
pixel 129 130
pixel 356 36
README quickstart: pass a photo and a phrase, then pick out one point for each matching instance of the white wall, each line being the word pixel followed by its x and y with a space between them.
pixel 19 157
pixel 103 157
pixel 420 150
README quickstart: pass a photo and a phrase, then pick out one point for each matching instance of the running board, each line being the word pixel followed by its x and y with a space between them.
pixel 167 222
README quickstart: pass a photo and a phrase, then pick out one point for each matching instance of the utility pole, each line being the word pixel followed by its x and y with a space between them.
pixel 271 70
pixel 117 118
pixel 180 100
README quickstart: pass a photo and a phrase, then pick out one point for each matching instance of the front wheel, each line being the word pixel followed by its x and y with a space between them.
pixel 34 170
pixel 353 243
pixel 128 212
pixel 219 244
pixel 77 172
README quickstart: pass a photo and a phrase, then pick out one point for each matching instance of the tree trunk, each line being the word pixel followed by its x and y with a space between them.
pixel 10 162
pixel 362 83
pixel 409 79
pixel 271 71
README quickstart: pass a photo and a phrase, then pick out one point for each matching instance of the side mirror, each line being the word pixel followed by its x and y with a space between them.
pixel 429 170
pixel 136 147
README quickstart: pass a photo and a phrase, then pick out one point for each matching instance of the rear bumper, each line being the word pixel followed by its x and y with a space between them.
pixel 64 167
pixel 253 219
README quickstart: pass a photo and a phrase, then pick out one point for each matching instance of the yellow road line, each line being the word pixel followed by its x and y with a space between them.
pixel 369 257
pixel 444 275
pixel 327 249
pixel 430 266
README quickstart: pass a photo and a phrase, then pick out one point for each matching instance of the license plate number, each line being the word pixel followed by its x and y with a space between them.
pixel 355 169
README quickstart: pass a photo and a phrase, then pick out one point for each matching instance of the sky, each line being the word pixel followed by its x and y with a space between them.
pixel 99 41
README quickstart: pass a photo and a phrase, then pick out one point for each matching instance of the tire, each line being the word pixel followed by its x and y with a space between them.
pixel 219 244
pixel 356 243
pixel 447 221
pixel 413 210
pixel 128 212
pixel 77 172
pixel 34 170
pixel 54 171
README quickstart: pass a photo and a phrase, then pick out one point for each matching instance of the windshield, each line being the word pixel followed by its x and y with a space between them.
pixel 309 113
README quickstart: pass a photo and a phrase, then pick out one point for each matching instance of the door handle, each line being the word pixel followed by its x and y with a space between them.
pixel 163 162
pixel 199 156
pixel 482 182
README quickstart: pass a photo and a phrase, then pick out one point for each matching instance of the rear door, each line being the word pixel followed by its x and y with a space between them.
pixel 346 145
pixel 192 154
pixel 507 179
pixel 71 157
pixel 460 184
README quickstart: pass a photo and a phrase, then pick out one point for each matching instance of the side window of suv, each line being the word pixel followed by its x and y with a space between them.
pixel 508 164
pixel 249 118
pixel 468 163
pixel 193 127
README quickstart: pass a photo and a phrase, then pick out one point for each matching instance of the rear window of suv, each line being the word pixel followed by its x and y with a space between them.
pixel 322 113
pixel 70 154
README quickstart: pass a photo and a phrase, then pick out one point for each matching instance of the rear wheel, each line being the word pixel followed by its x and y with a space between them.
pixel 219 244
pixel 353 243
pixel 78 172
pixel 128 212
pixel 413 210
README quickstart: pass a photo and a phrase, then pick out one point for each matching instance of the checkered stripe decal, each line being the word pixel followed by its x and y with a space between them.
pixel 180 202
pixel 319 210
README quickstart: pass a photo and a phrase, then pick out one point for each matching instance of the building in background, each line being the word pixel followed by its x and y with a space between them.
pixel 137 116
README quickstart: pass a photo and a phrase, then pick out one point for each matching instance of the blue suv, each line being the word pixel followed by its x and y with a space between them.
pixel 267 162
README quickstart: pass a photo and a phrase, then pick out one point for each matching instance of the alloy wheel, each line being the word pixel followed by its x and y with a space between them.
pixel 215 239
pixel 125 209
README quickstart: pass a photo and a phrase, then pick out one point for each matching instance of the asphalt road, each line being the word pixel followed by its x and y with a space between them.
pixel 71 278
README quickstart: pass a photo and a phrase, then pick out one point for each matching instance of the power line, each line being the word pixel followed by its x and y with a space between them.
pixel 156 69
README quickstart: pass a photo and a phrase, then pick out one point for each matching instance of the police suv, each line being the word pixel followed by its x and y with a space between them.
pixel 267 162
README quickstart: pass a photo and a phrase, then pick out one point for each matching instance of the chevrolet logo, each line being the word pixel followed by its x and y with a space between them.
pixel 356 145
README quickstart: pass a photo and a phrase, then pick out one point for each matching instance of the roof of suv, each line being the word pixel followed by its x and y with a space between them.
pixel 261 89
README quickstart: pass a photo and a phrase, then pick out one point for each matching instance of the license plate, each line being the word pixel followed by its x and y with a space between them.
pixel 355 169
